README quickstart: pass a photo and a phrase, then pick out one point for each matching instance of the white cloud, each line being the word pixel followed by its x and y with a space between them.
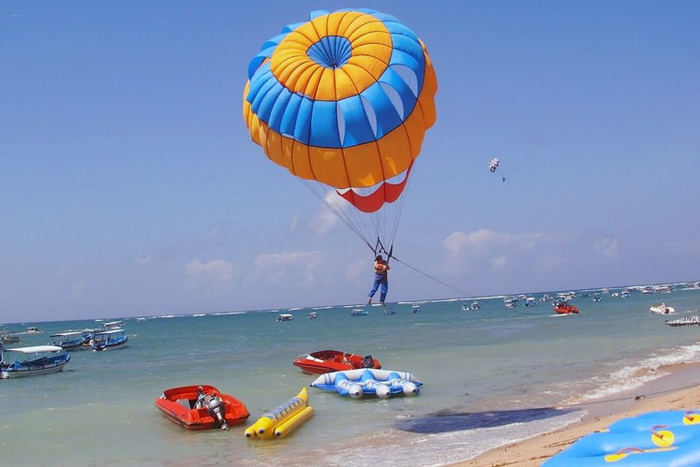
pixel 294 269
pixel 325 218
pixel 215 272
pixel 607 247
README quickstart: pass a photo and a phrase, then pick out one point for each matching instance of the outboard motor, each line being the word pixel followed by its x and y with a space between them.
pixel 216 407
pixel 368 362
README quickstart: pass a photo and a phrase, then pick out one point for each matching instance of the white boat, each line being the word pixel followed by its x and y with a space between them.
pixel 358 312
pixel 312 315
pixel 284 317
pixel 33 330
pixel 72 340
pixel 661 309
pixel 625 294
pixel 415 309
pixel 111 325
pixel 530 301
pixel 30 361
pixel 111 339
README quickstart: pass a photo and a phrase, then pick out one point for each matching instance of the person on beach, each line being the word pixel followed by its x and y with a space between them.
pixel 381 279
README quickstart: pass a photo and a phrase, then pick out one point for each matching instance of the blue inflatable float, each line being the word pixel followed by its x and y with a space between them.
pixel 654 439
pixel 356 383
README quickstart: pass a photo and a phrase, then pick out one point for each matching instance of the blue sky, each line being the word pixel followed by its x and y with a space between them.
pixel 129 185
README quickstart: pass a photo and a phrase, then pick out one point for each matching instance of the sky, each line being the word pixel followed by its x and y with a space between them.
pixel 129 185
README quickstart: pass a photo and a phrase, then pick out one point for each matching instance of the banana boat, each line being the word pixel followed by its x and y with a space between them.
pixel 282 420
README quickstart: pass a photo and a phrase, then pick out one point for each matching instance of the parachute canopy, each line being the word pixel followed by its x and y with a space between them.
pixel 344 99
pixel 493 165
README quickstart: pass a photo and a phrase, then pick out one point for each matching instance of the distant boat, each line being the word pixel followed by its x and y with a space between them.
pixel 33 330
pixel 625 294
pixel 312 315
pixel 109 340
pixel 564 308
pixel 358 312
pixel 596 297
pixel 474 306
pixel 685 321
pixel 530 301
pixel 284 317
pixel 71 340
pixel 661 309
pixel 415 309
pixel 8 337
pixel 30 361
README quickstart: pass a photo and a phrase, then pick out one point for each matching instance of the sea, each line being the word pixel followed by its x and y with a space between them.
pixel 490 376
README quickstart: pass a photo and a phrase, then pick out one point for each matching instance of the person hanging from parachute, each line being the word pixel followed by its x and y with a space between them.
pixel 381 279
pixel 343 101
pixel 493 165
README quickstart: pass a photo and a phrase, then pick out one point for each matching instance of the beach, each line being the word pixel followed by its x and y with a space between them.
pixel 670 392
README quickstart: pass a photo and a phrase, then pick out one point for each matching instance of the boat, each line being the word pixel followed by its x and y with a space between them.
pixel 312 315
pixel 653 439
pixel 415 309
pixel 661 309
pixel 596 297
pixel 8 337
pixel 111 325
pixel 33 330
pixel 282 420
pixel 357 383
pixel 685 321
pixel 359 312
pixel 71 340
pixel 625 294
pixel 563 308
pixel 325 361
pixel 30 361
pixel 214 410
pixel 109 340
pixel 530 301
pixel 284 317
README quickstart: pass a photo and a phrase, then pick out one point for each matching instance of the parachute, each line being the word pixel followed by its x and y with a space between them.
pixel 343 102
pixel 493 165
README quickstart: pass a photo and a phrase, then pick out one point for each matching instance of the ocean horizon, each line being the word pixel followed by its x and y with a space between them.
pixel 490 376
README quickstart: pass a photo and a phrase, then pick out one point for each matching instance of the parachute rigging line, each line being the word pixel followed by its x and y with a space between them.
pixel 465 294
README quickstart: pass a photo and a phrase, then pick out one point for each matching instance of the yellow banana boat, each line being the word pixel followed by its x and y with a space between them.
pixel 283 419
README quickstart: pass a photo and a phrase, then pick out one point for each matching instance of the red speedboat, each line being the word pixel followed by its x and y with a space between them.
pixel 202 407
pixel 564 308
pixel 326 361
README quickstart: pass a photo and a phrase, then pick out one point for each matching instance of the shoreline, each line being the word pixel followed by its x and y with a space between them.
pixel 678 389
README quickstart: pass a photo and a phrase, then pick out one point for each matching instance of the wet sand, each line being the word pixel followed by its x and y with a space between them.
pixel 679 390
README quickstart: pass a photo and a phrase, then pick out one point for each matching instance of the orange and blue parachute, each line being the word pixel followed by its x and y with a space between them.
pixel 344 99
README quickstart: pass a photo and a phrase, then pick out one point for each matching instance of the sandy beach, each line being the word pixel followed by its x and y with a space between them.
pixel 679 389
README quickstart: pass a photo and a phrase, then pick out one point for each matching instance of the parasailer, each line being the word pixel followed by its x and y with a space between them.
pixel 493 165
pixel 343 102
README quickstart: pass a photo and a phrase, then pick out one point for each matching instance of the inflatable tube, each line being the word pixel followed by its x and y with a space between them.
pixel 264 427
pixel 642 441
pixel 650 419
pixel 356 383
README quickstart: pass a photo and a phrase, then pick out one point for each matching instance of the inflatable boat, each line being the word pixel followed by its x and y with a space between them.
pixel 202 407
pixel 357 383
pixel 655 439
pixel 326 361
pixel 282 420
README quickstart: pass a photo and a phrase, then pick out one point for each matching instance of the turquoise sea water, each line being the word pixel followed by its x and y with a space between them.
pixel 489 377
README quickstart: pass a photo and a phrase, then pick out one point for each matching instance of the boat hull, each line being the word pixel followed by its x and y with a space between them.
pixel 565 309
pixel 177 404
pixel 326 361
pixel 51 365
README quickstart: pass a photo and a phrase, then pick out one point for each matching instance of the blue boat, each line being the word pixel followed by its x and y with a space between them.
pixel 29 361
pixel 72 340
pixel 109 340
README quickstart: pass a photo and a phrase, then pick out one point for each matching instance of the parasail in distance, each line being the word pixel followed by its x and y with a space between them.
pixel 343 102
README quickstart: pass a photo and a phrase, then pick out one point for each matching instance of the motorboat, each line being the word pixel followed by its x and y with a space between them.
pixel 284 317
pixel 415 309
pixel 563 308
pixel 473 306
pixel 661 309
pixel 312 315
pixel 530 301
pixel 111 325
pixel 202 407
pixel 109 340
pixel 380 383
pixel 325 361
pixel 71 340
pixel 685 321
pixel 359 312
pixel 596 297
pixel 33 330
pixel 30 361
pixel 625 294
